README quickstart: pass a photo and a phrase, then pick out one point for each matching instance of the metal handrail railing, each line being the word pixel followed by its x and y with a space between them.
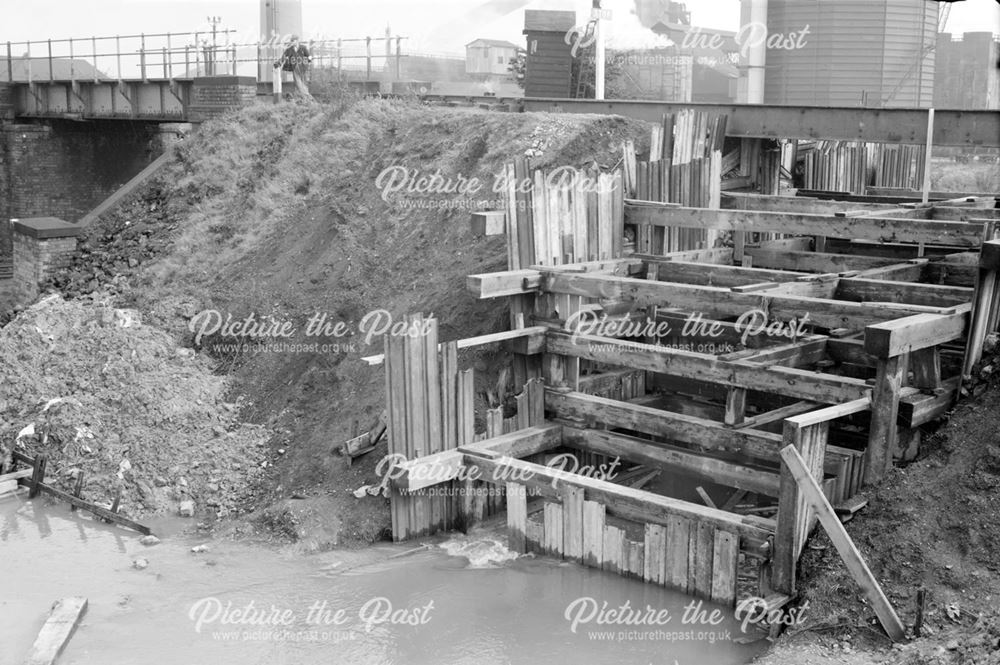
pixel 201 56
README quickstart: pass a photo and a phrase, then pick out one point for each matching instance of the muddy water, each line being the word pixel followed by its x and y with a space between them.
pixel 462 600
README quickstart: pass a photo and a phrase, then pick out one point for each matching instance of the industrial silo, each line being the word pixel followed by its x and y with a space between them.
pixel 848 52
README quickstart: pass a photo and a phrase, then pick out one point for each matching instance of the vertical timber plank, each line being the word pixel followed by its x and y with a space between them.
pixel 655 547
pixel 395 386
pixel 700 564
pixel 678 539
pixel 552 519
pixel 464 432
pixel 416 382
pixel 736 405
pixel 635 558
pixel 593 533
pixel 573 523
pixel 533 536
pixel 885 410
pixel 517 517
pixel 435 443
pixel 789 506
pixel 724 567
pixel 612 550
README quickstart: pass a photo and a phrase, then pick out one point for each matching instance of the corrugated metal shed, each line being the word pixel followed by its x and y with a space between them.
pixel 857 52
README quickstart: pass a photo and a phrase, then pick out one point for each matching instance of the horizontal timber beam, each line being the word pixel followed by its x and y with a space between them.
pixel 720 303
pixel 731 474
pixel 800 353
pixel 787 381
pixel 624 502
pixel 918 408
pixel 507 283
pixel 886 229
pixel 912 333
pixel 814 262
pixel 710 274
pixel 716 255
pixel 708 434
pixel 766 202
pixel 534 335
pixel 911 293
pixel 446 465
pixel 775 415
pixel 606 380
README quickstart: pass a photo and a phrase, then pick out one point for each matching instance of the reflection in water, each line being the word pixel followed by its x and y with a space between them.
pixel 240 604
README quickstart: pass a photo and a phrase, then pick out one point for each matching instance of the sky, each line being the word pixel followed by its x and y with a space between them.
pixel 434 26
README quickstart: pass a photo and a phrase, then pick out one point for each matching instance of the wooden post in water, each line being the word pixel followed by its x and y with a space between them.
pixel 38 477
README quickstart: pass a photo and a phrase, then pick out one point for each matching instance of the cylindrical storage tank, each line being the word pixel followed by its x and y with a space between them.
pixel 854 53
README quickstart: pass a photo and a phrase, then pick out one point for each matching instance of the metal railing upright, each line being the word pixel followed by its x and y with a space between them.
pixel 172 55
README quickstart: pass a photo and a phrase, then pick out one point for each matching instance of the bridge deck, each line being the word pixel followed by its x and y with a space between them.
pixel 170 100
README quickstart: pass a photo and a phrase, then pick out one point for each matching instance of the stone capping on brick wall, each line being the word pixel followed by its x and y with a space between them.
pixel 42 246
pixel 43 228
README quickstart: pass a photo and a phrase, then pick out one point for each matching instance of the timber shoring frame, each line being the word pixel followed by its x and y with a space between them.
pixel 855 347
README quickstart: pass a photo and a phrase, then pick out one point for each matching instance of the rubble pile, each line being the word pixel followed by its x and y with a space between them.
pixel 99 393
pixel 112 251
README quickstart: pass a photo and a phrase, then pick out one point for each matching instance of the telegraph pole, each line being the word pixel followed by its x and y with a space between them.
pixel 596 16
pixel 210 65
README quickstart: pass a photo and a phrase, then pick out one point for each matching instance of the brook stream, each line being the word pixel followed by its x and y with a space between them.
pixel 462 600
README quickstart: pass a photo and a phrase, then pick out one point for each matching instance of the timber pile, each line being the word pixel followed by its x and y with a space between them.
pixel 562 216
pixel 853 166
pixel 685 167
pixel 841 166
pixel 898 166
pixel 557 217
pixel 430 412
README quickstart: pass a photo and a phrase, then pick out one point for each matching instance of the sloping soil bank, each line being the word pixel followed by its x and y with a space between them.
pixel 279 213
pixel 932 524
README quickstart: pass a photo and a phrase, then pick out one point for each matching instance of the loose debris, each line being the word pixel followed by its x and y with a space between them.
pixel 107 398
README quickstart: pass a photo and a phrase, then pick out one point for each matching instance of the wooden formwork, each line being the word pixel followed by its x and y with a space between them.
pixel 841 333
